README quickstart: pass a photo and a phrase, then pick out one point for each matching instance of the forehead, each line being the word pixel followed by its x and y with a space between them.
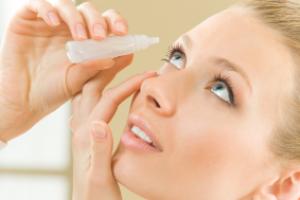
pixel 240 37
pixel 237 35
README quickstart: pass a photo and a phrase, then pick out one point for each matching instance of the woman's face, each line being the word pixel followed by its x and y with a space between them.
pixel 212 109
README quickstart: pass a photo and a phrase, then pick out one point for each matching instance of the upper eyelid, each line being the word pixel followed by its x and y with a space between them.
pixel 176 46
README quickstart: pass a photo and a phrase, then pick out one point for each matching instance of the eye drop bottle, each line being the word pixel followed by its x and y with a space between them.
pixel 110 47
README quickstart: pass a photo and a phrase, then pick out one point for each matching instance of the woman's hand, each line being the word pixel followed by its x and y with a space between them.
pixel 36 76
pixel 92 138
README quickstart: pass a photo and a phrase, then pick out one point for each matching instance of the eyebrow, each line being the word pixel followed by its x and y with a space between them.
pixel 186 41
pixel 187 44
pixel 232 67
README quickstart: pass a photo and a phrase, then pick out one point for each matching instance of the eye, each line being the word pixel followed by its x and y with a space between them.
pixel 223 90
pixel 176 57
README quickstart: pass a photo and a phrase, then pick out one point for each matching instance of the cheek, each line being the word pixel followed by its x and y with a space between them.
pixel 213 148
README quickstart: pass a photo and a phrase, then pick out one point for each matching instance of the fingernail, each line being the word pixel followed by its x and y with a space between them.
pixel 98 130
pixel 120 27
pixel 80 31
pixel 99 30
pixel 53 18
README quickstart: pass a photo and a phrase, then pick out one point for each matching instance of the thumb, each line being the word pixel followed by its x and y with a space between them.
pixel 101 182
pixel 101 151
pixel 77 75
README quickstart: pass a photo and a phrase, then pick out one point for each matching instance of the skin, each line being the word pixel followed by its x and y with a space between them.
pixel 93 140
pixel 36 76
pixel 212 150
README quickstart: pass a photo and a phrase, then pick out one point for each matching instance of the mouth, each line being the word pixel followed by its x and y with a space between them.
pixel 141 135
pixel 138 135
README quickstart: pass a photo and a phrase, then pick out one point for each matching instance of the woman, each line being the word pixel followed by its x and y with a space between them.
pixel 216 123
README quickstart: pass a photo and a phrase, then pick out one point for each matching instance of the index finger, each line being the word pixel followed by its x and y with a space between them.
pixel 117 24
pixel 112 98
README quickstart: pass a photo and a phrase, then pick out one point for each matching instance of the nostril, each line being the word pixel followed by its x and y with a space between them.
pixel 152 100
pixel 156 103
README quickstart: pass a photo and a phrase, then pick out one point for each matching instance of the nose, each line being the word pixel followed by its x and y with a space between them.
pixel 158 95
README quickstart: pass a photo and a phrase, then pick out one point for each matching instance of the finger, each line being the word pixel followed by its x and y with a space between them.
pixel 111 99
pixel 117 25
pixel 96 23
pixel 87 98
pixel 72 17
pixel 77 75
pixel 101 148
pixel 42 9
pixel 92 90
pixel 102 183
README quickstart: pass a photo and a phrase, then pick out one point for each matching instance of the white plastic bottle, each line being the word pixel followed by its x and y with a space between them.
pixel 110 47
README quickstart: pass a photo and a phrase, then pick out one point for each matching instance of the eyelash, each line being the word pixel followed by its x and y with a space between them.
pixel 172 50
pixel 218 77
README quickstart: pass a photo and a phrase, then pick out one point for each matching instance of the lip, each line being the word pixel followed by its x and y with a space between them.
pixel 131 140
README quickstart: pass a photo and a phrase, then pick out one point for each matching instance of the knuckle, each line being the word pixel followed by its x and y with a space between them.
pixel 84 5
pixel 41 5
pixel 109 97
pixel 108 94
pixel 63 2
pixel 111 12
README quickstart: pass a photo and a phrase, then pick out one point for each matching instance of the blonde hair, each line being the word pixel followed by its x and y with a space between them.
pixel 284 17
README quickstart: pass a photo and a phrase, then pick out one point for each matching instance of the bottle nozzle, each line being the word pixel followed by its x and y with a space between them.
pixel 155 40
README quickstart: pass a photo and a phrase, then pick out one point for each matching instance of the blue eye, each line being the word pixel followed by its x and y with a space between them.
pixel 222 90
pixel 176 57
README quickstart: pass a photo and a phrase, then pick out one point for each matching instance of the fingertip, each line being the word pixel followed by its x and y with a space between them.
pixel 80 32
pixel 99 32
pixel 150 73
pixel 120 28
pixel 53 18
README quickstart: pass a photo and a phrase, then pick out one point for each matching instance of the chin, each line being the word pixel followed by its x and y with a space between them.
pixel 123 170
pixel 127 172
